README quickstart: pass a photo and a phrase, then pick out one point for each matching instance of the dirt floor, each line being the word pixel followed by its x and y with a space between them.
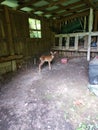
pixel 57 99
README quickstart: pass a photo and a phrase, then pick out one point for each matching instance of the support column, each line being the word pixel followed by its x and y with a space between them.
pixel 67 42
pixel 96 21
pixel 76 42
pixel 85 23
pixel 60 42
pixel 90 29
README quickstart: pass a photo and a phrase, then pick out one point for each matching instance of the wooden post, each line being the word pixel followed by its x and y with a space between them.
pixel 90 29
pixel 96 21
pixel 60 42
pixel 85 23
pixel 76 42
pixel 97 43
pixel 67 42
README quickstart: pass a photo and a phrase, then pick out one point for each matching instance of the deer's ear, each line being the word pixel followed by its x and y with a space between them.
pixel 51 52
pixel 55 52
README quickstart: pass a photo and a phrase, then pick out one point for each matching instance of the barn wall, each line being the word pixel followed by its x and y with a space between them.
pixel 16 45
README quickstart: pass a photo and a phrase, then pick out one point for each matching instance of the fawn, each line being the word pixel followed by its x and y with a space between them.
pixel 47 58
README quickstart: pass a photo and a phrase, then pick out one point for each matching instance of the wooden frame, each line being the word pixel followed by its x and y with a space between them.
pixel 76 47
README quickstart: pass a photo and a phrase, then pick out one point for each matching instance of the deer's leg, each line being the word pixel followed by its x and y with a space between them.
pixel 40 65
pixel 49 65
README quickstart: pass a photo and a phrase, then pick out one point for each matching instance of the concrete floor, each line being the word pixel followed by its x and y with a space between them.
pixel 56 99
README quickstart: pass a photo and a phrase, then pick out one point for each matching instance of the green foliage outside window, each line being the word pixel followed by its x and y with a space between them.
pixel 35 28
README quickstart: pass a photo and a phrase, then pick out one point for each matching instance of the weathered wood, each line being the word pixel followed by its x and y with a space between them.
pixel 10 58
pixel 76 42
pixel 61 7
pixel 67 42
pixel 72 10
pixel 89 3
pixel 2 29
pixel 85 49
pixel 60 42
pixel 90 29
pixel 76 15
pixel 96 21
pixel 9 32
pixel 85 23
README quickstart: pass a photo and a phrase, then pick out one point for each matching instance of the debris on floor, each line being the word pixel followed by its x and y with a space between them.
pixel 57 99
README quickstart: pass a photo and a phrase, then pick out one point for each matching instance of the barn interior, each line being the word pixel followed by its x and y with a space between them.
pixel 57 98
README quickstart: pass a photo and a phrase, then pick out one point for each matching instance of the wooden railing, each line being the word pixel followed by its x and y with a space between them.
pixel 86 47
pixel 10 58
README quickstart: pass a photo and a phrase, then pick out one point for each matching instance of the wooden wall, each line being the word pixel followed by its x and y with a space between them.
pixel 15 40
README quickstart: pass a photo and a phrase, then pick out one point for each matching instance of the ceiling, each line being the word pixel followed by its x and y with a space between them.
pixel 55 9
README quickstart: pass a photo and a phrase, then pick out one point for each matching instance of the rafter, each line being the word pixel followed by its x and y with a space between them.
pixel 89 3
pixel 64 7
pixel 26 4
pixel 55 3
pixel 71 11
pixel 63 10
pixel 85 13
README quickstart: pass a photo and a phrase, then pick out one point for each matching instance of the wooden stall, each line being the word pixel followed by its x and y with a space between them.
pixel 76 44
pixel 83 43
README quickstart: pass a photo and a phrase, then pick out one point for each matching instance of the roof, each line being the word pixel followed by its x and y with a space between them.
pixel 55 9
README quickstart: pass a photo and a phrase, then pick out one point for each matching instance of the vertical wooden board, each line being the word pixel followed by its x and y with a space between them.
pixel 3 49
pixel 9 31
pixel 96 21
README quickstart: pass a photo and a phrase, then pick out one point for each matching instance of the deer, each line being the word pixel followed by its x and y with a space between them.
pixel 46 58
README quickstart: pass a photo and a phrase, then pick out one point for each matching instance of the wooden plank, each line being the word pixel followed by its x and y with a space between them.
pixel 67 42
pixel 90 29
pixel 2 29
pixel 60 42
pixel 9 32
pixel 76 42
pixel 79 34
pixel 72 10
pixel 56 2
pixel 85 20
pixel 89 3
pixel 26 4
pixel 61 7
pixel 9 58
pixel 76 15
pixel 96 21
pixel 74 34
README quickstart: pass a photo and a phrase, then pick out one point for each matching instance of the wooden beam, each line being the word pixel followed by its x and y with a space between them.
pixel 72 10
pixel 61 7
pixel 56 3
pixel 84 13
pixel 10 58
pixel 89 3
pixel 26 4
